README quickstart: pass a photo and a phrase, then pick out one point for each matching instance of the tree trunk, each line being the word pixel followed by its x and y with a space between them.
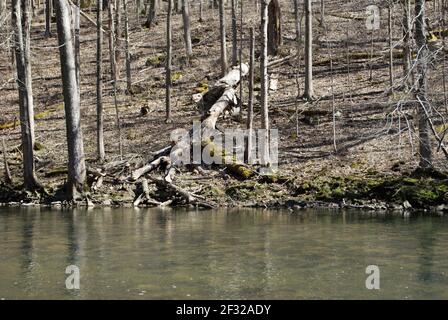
pixel 112 40
pixel 168 63
pixel 48 11
pixel 309 90
pixel 407 41
pixel 126 48
pixel 250 107
pixel 234 35
pixel 76 160
pixel 21 26
pixel 391 55
pixel 264 78
pixel 425 153
pixel 274 28
pixel 201 18
pixel 152 14
pixel 99 82
pixel 187 31
pixel 222 28
pixel 77 43
pixel 322 14
pixel 297 20
pixel 118 39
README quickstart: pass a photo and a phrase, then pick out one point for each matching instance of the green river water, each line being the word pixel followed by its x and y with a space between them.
pixel 238 254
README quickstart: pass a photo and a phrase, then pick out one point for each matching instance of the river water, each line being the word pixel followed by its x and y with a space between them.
pixel 237 254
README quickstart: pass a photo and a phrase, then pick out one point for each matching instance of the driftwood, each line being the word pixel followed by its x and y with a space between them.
pixel 220 98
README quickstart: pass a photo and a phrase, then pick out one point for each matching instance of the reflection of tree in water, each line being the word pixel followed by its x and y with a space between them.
pixel 27 242
pixel 426 240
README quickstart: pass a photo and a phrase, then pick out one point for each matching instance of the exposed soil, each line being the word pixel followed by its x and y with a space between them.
pixel 373 166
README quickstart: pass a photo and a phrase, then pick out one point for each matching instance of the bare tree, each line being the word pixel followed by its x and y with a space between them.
pixel 111 10
pixel 406 41
pixel 309 89
pixel 76 161
pixel 391 54
pixel 264 77
pixel 151 20
pixel 77 42
pixel 222 28
pixel 234 35
pixel 99 82
pixel 168 63
pixel 48 11
pixel 425 152
pixel 187 30
pixel 322 14
pixel 274 27
pixel 21 25
pixel 297 20
pixel 126 47
pixel 250 112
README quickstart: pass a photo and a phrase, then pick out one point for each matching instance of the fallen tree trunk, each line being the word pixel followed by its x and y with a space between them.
pixel 220 98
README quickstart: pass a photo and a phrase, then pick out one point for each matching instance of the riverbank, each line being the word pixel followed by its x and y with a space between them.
pixel 400 193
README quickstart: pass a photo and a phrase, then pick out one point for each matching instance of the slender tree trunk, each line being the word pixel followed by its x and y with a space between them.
pixel 187 30
pixel 48 11
pixel 118 37
pixel 112 40
pixel 222 24
pixel 425 152
pixel 322 14
pixel 297 20
pixel 99 82
pixel 201 17
pixel 274 27
pixel 77 44
pixel 152 14
pixel 234 35
pixel 250 112
pixel 21 22
pixel 407 41
pixel 264 79
pixel 391 54
pixel 168 63
pixel 309 89
pixel 126 43
pixel 76 160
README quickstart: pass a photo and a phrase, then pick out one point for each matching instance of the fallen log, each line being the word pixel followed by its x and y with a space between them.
pixel 220 98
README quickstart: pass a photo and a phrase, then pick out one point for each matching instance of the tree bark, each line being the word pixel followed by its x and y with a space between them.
pixel 297 20
pixel 309 89
pixel 99 83
pixel 126 48
pixel 234 35
pixel 21 26
pixel 77 43
pixel 264 77
pixel 112 40
pixel 168 63
pixel 48 11
pixel 424 108
pixel 250 107
pixel 152 14
pixel 187 30
pixel 76 160
pixel 407 41
pixel 274 28
pixel 222 28
pixel 391 55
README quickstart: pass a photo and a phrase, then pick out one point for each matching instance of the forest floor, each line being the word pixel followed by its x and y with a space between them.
pixel 373 166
